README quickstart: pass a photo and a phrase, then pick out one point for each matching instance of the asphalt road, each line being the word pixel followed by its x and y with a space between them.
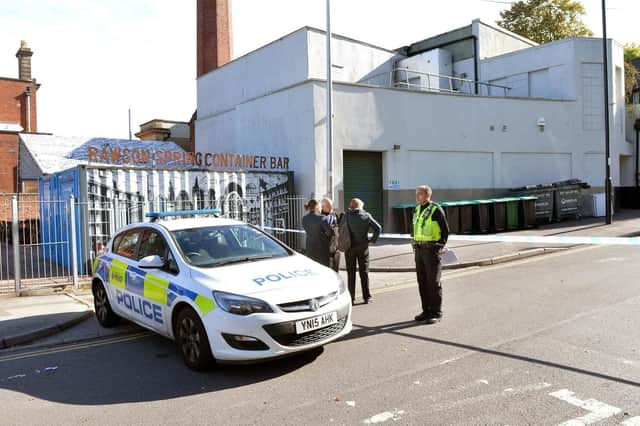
pixel 546 340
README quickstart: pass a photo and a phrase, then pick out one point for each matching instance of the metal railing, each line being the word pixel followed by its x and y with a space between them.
pixel 53 243
pixel 414 80
pixel 33 256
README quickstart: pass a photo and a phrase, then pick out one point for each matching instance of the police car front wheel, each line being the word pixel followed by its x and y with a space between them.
pixel 105 315
pixel 192 340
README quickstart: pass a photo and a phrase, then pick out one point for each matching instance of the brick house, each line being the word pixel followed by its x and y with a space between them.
pixel 18 114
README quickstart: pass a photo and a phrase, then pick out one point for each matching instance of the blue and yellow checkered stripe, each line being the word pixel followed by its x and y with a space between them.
pixel 152 287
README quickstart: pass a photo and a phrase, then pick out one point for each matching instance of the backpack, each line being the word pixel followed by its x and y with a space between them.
pixel 344 235
pixel 333 241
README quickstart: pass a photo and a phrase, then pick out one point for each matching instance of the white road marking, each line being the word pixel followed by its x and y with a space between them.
pixel 351 403
pixel 383 417
pixel 598 410
pixel 447 361
pixel 633 421
pixel 528 388
pixel 17 376
pixel 91 344
pixel 536 239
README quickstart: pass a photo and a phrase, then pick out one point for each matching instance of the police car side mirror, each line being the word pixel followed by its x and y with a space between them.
pixel 151 262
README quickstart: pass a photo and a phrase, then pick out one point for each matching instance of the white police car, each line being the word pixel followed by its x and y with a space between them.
pixel 222 289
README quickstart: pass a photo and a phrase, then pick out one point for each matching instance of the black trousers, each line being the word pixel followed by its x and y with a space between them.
pixel 361 255
pixel 429 270
pixel 334 261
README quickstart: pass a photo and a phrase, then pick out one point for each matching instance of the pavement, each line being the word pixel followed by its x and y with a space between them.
pixel 65 315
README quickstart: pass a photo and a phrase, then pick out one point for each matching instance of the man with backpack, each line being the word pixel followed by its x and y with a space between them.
pixel 359 223
pixel 330 216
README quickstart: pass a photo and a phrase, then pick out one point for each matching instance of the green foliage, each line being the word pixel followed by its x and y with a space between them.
pixel 631 52
pixel 630 80
pixel 545 20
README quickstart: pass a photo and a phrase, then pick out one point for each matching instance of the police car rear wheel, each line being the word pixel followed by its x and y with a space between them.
pixel 105 315
pixel 193 341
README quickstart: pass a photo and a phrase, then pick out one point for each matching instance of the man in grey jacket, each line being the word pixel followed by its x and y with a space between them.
pixel 359 223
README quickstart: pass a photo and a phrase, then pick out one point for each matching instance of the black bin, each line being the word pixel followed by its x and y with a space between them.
pixel 466 216
pixel 481 215
pixel 403 217
pixel 528 210
pixel 567 202
pixel 498 215
pixel 452 211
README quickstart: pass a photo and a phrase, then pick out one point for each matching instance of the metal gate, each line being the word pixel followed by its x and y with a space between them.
pixel 53 243
pixel 32 256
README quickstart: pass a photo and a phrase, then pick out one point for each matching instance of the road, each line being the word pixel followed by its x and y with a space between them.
pixel 546 340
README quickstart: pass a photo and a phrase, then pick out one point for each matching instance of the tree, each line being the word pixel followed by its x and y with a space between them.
pixel 545 20
pixel 631 52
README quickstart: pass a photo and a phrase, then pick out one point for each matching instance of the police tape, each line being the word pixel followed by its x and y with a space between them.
pixel 493 238
pixel 295 231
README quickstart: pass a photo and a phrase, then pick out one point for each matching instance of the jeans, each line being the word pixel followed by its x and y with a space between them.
pixel 359 254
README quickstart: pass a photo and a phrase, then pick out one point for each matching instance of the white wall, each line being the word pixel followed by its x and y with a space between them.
pixel 494 41
pixel 432 62
pixel 261 72
pixel 547 70
pixel 455 142
pixel 268 103
pixel 277 125
pixel 353 61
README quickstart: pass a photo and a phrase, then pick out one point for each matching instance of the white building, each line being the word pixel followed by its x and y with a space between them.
pixel 471 113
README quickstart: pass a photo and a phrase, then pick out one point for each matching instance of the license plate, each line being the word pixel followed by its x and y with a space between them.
pixel 310 324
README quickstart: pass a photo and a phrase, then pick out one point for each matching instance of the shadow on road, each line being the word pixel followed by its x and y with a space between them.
pixel 397 328
pixel 139 370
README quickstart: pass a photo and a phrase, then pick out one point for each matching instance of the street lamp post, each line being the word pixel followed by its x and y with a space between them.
pixel 605 63
pixel 329 94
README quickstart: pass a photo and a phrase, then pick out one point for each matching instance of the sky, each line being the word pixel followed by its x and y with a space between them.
pixel 96 59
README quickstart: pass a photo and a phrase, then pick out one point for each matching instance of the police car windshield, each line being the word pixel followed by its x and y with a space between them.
pixel 222 245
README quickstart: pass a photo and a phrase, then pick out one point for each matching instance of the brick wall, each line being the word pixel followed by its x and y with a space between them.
pixel 13 110
pixel 13 105
pixel 28 218
pixel 8 162
pixel 213 35
pixel 28 207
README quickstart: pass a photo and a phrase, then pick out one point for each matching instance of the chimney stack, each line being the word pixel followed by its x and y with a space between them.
pixel 24 61
pixel 214 34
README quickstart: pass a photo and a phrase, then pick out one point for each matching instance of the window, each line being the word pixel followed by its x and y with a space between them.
pixel 171 266
pixel 219 245
pixel 126 246
pixel 152 244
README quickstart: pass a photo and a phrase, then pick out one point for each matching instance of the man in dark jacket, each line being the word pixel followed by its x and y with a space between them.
pixel 331 218
pixel 318 232
pixel 359 223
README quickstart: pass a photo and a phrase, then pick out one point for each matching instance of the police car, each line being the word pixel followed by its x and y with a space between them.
pixel 222 289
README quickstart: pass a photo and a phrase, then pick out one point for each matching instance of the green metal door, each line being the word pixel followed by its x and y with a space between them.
pixel 362 175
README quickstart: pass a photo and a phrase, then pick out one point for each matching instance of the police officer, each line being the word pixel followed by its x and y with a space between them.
pixel 430 234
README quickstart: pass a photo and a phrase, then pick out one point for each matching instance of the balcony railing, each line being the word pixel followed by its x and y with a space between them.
pixel 423 81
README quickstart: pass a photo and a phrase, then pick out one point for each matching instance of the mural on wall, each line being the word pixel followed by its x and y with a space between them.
pixel 118 196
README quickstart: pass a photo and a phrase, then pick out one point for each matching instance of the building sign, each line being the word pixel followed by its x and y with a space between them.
pixel 159 158
pixel 394 183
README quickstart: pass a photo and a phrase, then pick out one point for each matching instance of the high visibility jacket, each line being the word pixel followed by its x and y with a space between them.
pixel 425 229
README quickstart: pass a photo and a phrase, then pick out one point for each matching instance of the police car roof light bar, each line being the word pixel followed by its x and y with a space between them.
pixel 158 215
